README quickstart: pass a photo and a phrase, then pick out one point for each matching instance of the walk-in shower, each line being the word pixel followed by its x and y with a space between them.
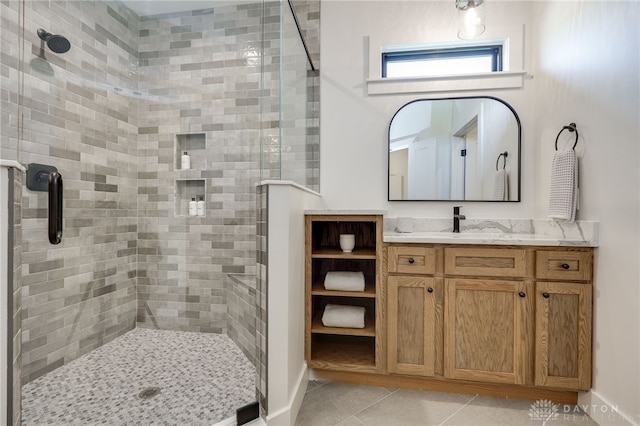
pixel 145 312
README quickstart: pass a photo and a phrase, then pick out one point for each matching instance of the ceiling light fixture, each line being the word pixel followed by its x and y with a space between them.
pixel 470 18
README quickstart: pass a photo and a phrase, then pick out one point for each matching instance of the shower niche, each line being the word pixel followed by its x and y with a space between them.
pixel 185 191
pixel 195 145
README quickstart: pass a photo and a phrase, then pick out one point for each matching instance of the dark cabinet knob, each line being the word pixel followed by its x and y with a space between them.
pixel 545 295
pixel 565 266
pixel 411 261
pixel 522 294
pixel 430 290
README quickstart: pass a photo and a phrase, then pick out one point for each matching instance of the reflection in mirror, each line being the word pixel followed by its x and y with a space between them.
pixel 458 149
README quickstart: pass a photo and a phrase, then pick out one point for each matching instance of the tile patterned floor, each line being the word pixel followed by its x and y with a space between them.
pixel 202 378
pixel 332 404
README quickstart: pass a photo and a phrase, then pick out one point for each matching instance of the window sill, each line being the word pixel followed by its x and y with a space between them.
pixel 447 83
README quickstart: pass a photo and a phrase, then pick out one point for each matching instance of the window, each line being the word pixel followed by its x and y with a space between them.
pixel 446 61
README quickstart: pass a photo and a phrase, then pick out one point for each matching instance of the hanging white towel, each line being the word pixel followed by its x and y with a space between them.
pixel 501 186
pixel 343 316
pixel 563 194
pixel 344 281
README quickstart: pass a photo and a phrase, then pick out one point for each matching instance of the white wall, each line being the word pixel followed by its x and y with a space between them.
pixel 287 371
pixel 584 60
pixel 354 126
pixel 586 70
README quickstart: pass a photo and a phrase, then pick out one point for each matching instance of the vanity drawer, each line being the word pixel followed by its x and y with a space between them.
pixel 412 260
pixel 485 262
pixel 564 265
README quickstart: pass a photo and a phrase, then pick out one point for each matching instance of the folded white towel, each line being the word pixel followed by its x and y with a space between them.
pixel 563 194
pixel 501 186
pixel 343 316
pixel 344 281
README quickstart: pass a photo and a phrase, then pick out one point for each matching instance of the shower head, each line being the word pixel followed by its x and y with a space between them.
pixel 57 43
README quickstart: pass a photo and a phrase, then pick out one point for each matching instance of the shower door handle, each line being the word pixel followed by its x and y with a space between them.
pixel 55 208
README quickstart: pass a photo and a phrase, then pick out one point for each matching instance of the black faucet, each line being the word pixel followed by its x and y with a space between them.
pixel 457 217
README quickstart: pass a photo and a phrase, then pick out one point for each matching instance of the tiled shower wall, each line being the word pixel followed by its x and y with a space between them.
pixel 78 116
pixel 241 313
pixel 261 295
pixel 9 78
pixel 200 74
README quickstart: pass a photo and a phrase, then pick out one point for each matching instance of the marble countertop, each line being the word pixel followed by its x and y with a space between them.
pixel 483 238
pixel 534 232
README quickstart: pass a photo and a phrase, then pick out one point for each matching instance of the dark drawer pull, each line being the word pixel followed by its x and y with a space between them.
pixel 545 295
pixel 565 266
pixel 430 290
pixel 522 294
pixel 411 261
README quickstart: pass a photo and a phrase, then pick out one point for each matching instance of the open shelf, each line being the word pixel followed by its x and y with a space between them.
pixel 326 236
pixel 368 330
pixel 185 190
pixel 319 290
pixel 336 253
pixel 342 348
pixel 343 353
pixel 195 144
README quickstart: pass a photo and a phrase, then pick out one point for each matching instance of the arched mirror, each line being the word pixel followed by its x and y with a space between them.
pixel 455 149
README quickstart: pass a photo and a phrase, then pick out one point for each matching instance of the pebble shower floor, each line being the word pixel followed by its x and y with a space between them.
pixel 203 378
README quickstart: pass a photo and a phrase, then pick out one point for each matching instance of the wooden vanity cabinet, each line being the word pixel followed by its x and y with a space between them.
pixel 511 315
pixel 498 320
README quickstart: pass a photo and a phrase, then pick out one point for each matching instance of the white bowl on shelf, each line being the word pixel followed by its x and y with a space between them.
pixel 347 242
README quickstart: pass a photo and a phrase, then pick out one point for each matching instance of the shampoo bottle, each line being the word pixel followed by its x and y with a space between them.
pixel 193 207
pixel 186 161
pixel 200 206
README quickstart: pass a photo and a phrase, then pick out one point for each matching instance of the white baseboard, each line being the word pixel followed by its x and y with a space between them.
pixel 604 412
pixel 287 416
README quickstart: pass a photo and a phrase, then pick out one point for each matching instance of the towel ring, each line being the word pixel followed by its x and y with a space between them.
pixel 572 128
pixel 504 165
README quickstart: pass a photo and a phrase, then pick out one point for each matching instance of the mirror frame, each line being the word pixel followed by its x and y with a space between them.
pixel 513 111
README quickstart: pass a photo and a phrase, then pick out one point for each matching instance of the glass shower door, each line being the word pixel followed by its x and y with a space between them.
pixel 128 315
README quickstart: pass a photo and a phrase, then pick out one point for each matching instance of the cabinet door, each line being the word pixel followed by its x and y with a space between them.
pixel 563 335
pixel 488 330
pixel 415 325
